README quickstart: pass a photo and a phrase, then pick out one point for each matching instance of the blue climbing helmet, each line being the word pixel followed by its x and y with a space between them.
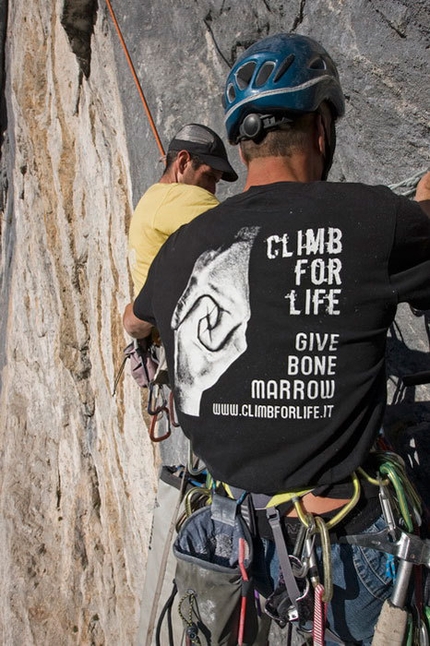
pixel 279 76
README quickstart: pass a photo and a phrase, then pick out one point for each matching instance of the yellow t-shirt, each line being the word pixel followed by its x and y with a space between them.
pixel 160 212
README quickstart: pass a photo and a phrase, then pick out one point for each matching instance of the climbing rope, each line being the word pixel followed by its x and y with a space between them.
pixel 408 186
pixel 136 80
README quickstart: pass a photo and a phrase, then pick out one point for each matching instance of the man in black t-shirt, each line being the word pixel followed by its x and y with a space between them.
pixel 274 308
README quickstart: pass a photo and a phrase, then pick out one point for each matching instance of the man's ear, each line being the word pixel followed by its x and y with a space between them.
pixel 326 136
pixel 241 156
pixel 321 135
pixel 182 159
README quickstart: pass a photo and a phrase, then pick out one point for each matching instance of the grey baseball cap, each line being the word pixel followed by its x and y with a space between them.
pixel 205 143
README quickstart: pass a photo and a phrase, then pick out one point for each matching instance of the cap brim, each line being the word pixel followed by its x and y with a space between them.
pixel 218 163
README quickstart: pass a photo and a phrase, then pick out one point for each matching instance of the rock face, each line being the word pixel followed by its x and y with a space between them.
pixel 78 473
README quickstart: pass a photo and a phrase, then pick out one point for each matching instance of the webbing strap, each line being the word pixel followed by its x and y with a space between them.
pixel 287 571
pixel 284 559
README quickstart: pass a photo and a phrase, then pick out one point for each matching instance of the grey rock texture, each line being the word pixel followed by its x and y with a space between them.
pixel 78 473
pixel 182 52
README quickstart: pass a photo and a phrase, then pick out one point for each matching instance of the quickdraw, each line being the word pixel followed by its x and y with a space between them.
pixel 159 407
pixel 156 418
pixel 157 402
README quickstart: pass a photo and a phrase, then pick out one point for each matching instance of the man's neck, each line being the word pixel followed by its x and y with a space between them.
pixel 268 170
pixel 169 177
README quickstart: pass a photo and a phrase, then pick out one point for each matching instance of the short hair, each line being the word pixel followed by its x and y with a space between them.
pixel 282 142
pixel 171 157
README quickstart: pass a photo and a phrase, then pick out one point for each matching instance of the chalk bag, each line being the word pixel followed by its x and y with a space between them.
pixel 215 596
pixel 143 362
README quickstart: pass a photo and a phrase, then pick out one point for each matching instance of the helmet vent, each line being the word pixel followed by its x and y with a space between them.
pixel 244 74
pixel 283 67
pixel 231 93
pixel 263 73
pixel 318 64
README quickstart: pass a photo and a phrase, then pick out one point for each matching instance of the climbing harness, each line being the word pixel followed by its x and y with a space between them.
pixel 305 586
pixel 136 80
pixel 214 560
pixel 301 597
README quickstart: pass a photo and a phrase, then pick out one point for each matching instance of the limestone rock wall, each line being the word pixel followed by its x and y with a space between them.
pixel 77 474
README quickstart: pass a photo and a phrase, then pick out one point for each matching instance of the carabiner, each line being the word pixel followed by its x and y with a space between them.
pixel 156 399
pixel 172 415
pixel 155 419
pixel 326 559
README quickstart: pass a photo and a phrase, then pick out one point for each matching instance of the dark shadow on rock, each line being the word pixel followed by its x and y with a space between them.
pixel 78 18
pixel 407 420
pixel 401 360
pixel 414 447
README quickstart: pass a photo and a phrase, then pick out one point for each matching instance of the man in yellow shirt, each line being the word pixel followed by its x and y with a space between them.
pixel 196 161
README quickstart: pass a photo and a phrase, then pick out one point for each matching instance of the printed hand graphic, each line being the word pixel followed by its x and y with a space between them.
pixel 210 320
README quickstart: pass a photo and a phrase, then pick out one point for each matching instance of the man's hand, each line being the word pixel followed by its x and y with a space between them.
pixel 423 193
pixel 135 327
pixel 210 320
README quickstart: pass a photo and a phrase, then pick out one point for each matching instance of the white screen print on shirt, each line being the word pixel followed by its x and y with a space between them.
pixel 211 318
pixel 309 385
pixel 323 272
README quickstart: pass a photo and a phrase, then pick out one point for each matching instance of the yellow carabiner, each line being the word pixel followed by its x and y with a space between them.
pixel 326 558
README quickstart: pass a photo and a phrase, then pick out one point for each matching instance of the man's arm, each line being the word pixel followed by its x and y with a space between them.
pixel 423 193
pixel 135 327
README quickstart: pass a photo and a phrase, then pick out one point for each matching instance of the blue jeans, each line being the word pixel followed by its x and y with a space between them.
pixel 360 586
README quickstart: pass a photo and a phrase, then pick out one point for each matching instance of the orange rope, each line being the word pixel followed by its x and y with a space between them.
pixel 136 80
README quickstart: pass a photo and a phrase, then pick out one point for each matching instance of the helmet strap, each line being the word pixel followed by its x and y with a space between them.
pixel 255 126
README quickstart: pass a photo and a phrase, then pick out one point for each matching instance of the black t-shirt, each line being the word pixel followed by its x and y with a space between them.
pixel 274 309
